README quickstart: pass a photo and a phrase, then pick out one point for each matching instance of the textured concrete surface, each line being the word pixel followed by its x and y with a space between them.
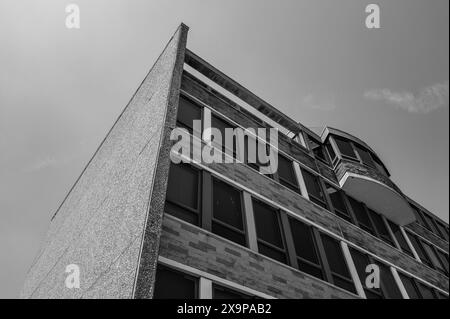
pixel 100 224
pixel 200 249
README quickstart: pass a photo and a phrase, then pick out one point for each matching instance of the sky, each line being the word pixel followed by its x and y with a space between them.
pixel 62 89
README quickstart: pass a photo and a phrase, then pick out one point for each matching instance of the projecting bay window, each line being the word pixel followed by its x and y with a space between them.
pixel 314 188
pixel 345 148
pixel 197 197
pixel 271 242
pixel 338 202
pixel 286 174
pixel 319 150
pixel 365 156
pixel 387 289
pixel 331 152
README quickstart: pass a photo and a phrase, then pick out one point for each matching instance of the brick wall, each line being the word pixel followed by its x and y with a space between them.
pixel 202 250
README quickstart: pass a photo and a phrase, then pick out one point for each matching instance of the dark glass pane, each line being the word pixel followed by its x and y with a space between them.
pixel 361 215
pixel 335 257
pixel 443 230
pixel 286 173
pixel 182 213
pixel 171 284
pixel 230 234
pixel 400 238
pixel 426 292
pixel 365 157
pixel 344 284
pixel 305 246
pixel 380 227
pixel 345 147
pixel 429 220
pixel 338 202
pixel 310 269
pixel 188 111
pixel 182 187
pixel 313 185
pixel 271 252
pixel 444 259
pixel 410 286
pixel 330 151
pixel 267 224
pixel 226 293
pixel 388 283
pixel 221 125
pixel 318 150
pixel 361 262
pixel 227 204
pixel 432 256
pixel 419 216
pixel 420 250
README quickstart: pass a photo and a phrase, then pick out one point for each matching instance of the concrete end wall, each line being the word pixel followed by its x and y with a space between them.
pixel 100 224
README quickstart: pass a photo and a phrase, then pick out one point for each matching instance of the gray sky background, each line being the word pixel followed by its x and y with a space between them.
pixel 61 90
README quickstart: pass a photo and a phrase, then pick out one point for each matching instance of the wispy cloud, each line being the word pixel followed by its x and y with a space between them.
pixel 41 164
pixel 427 100
pixel 323 104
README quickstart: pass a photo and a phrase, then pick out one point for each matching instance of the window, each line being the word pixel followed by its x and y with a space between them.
pixel 379 165
pixel 221 125
pixel 444 260
pixel 314 188
pixel 416 242
pixel 198 198
pixel 443 230
pixel 380 227
pixel 432 254
pixel 388 288
pixel 345 147
pixel 171 284
pixel 430 221
pixel 184 193
pixel 365 156
pixel 306 248
pixel 227 219
pixel 337 200
pixel 286 174
pixel 319 150
pixel 340 275
pixel 300 139
pixel 361 215
pixel 188 111
pixel 251 149
pixel 331 151
pixel 410 287
pixel 400 238
pixel 268 231
pixel 220 292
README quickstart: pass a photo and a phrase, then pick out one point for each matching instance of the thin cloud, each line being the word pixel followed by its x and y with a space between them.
pixel 429 99
pixel 323 104
pixel 41 163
